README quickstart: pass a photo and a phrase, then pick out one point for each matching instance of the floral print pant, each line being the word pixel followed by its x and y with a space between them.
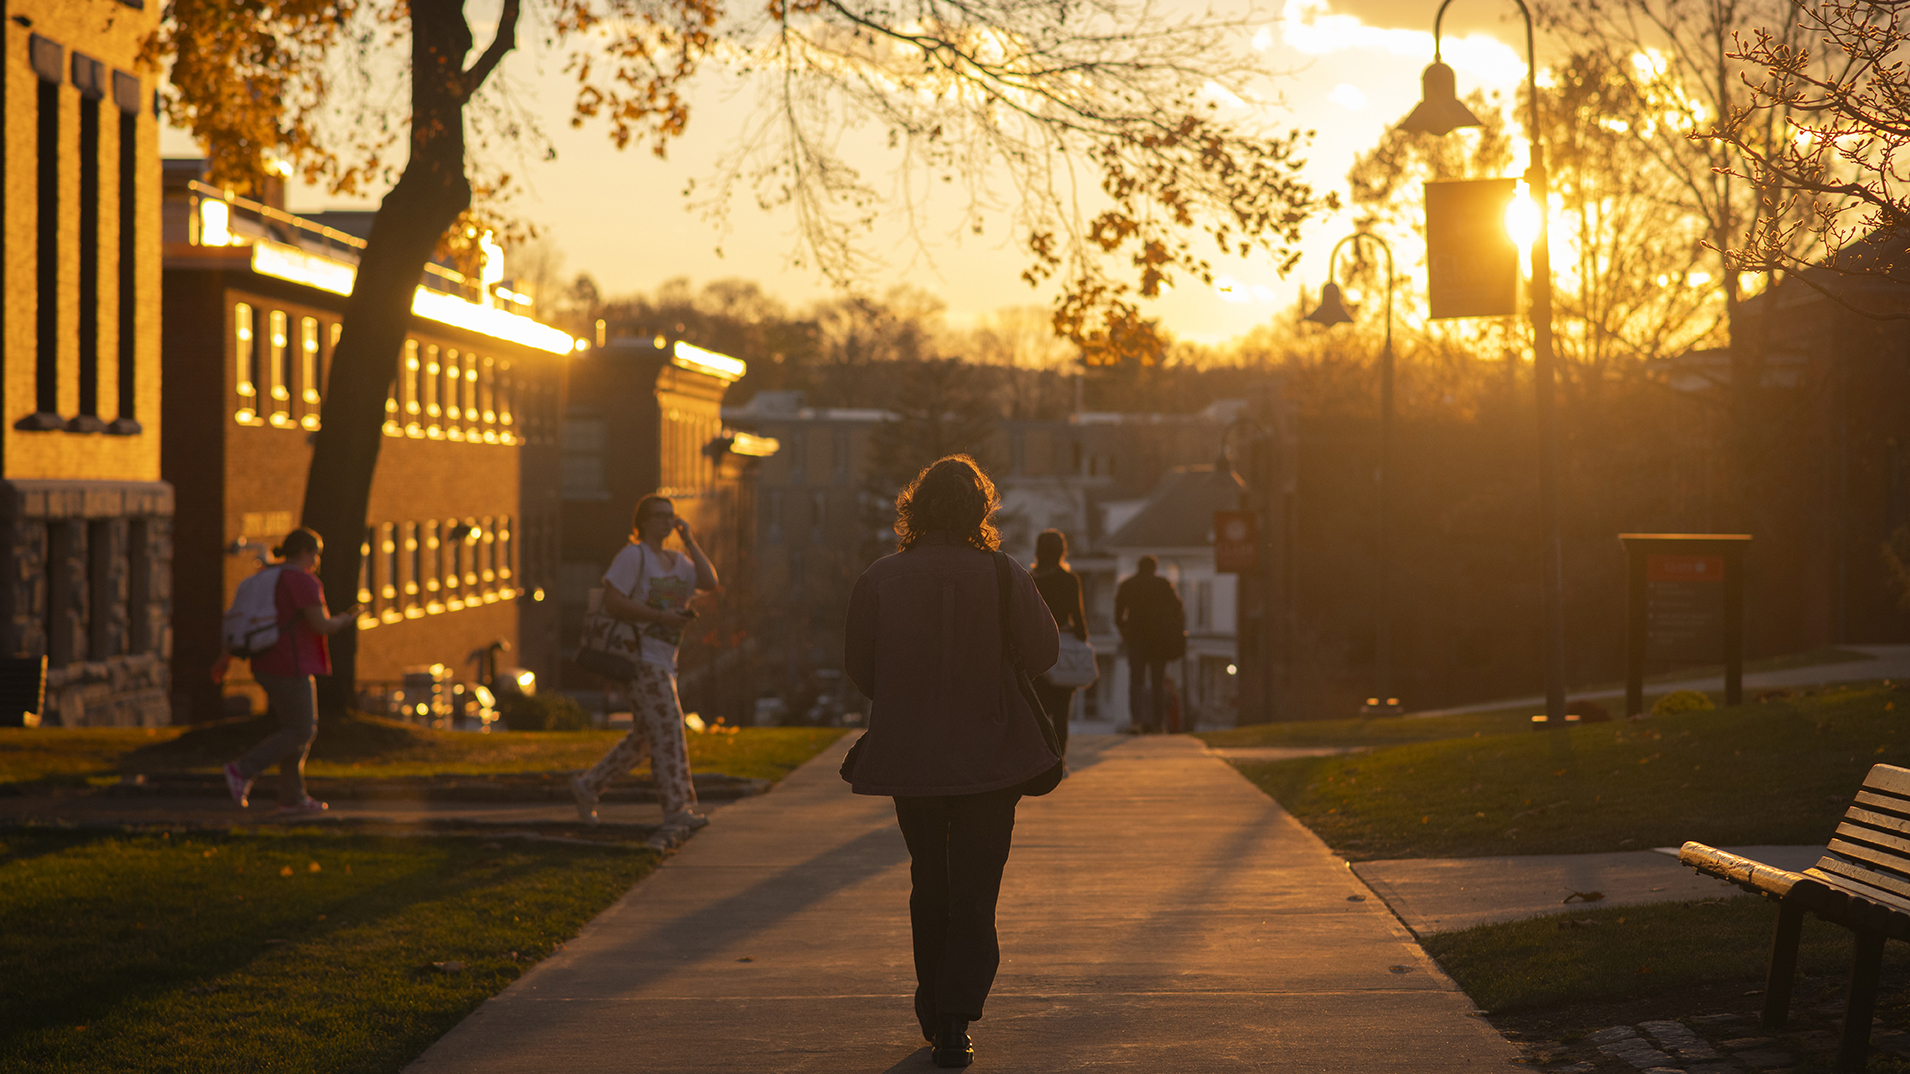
pixel 656 730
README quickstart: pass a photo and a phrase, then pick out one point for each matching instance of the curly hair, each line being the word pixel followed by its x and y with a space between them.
pixel 952 496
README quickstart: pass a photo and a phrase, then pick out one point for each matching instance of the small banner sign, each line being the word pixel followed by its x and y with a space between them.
pixel 1472 265
pixel 1236 542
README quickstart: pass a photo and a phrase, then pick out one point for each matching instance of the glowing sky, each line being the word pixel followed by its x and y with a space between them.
pixel 1354 69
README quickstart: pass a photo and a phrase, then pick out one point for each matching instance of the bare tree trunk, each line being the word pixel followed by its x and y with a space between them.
pixel 428 198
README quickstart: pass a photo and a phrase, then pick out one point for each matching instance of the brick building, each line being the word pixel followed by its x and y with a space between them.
pixel 461 550
pixel 86 516
pixel 644 416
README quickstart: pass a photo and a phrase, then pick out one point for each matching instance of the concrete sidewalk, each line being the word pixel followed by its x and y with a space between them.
pixel 1159 914
pixel 1439 895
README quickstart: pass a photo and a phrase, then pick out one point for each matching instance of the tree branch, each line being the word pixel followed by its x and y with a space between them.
pixel 502 42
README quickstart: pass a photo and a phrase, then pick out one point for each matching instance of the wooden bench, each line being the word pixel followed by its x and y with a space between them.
pixel 1862 883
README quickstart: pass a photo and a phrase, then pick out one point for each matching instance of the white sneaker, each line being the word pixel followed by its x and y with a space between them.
pixel 586 799
pixel 688 820
pixel 236 782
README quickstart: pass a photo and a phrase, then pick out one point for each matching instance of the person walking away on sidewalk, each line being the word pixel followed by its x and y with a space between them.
pixel 651 586
pixel 1153 626
pixel 950 736
pixel 1061 590
pixel 286 672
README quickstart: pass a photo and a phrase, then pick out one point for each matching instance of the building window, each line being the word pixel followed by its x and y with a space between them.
pixel 451 394
pixel 506 549
pixel 773 517
pixel 429 569
pixel 367 591
pixel 452 560
pixel 245 350
pixel 1204 605
pixel 278 369
pixel 487 556
pixel 798 452
pixel 48 61
pixel 394 425
pixel 413 411
pixel 472 431
pixel 89 76
pixel 308 386
pixel 506 387
pixel 471 537
pixel 389 554
pixel 818 516
pixel 841 453
pixel 414 572
pixel 126 94
pixel 432 380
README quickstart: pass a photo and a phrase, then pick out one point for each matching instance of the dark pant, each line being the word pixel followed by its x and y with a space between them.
pixel 295 702
pixel 958 846
pixel 1147 704
pixel 1056 701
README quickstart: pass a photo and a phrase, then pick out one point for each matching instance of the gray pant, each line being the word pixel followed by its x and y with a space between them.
pixel 296 702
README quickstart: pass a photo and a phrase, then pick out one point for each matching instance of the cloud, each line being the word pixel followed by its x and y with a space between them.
pixel 1311 27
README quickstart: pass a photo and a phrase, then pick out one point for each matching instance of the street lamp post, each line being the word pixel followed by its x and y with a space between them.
pixel 1440 112
pixel 1333 311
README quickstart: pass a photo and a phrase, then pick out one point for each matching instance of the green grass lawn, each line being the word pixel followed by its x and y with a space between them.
pixel 280 951
pixel 1624 952
pixel 1780 772
pixel 367 747
pixel 1368 730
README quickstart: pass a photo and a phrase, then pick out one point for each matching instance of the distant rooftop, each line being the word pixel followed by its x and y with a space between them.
pixel 1179 513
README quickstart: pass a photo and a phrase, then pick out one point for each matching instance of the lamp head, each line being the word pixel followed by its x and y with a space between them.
pixel 1439 110
pixel 1332 309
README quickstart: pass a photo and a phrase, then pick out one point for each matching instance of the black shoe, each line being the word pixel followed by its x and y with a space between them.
pixel 952 1046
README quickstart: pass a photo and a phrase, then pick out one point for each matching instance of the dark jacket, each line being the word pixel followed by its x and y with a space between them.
pixel 924 643
pixel 1061 589
pixel 1151 618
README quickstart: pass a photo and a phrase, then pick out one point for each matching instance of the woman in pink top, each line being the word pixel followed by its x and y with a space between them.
pixel 286 672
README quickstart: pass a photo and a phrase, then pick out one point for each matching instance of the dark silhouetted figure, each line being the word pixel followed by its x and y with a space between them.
pixel 1153 626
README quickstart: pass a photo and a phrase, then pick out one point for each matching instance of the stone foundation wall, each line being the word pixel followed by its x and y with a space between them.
pixel 87 583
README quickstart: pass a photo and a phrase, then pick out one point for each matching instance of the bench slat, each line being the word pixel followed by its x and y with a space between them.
pixel 1895 809
pixel 1889 778
pixel 1894 844
pixel 1882 862
pixel 1872 885
pixel 1859 815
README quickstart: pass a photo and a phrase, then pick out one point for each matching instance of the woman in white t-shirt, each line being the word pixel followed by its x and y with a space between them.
pixel 651 586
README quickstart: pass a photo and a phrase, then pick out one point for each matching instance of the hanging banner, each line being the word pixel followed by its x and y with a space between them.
pixel 1472 264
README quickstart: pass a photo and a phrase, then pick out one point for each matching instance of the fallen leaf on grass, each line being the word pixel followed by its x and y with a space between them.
pixel 312 868
pixel 287 871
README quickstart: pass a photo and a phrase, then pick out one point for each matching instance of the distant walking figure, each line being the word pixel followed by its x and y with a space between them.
pixel 1153 626
pixel 950 736
pixel 286 672
pixel 1061 589
pixel 651 586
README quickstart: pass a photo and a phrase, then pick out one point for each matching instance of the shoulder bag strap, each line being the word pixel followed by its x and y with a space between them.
pixel 1003 593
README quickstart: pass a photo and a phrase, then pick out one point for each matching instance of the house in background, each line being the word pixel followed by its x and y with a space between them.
pixel 86 516
pixel 1175 525
pixel 460 555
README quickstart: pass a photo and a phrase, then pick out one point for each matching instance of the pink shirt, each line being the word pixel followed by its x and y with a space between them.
pixel 300 649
